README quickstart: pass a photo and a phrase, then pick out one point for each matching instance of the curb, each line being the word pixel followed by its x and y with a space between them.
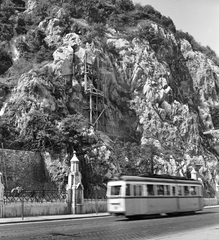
pixel 212 206
pixel 48 218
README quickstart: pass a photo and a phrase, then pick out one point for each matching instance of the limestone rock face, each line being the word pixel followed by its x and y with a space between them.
pixel 53 27
pixel 53 31
pixel 31 4
pixel 205 75
pixel 159 88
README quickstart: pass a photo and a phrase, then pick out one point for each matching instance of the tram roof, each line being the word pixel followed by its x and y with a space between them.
pixel 155 177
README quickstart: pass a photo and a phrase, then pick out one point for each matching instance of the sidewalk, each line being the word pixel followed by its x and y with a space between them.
pixel 50 218
pixel 62 217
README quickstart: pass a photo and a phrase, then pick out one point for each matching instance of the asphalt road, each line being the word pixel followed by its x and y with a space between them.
pixel 109 228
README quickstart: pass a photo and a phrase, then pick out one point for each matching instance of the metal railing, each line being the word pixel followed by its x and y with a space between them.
pixel 34 196
pixel 39 196
pixel 95 194
pixel 209 193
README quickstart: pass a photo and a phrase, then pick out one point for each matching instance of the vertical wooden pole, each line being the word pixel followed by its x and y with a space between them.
pixel 6 182
pixel 91 117
pixel 98 89
pixel 85 71
pixel 73 67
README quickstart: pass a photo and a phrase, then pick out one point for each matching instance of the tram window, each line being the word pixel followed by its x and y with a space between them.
pixel 186 190
pixel 160 189
pixel 127 192
pixel 140 190
pixel 179 190
pixel 115 190
pixel 150 189
pixel 173 191
pixel 167 190
pixel 193 190
pixel 135 190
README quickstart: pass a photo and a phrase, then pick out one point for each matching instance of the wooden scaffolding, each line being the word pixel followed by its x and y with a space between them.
pixel 95 94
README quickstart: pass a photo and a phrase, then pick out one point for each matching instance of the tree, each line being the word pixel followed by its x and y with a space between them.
pixel 5 61
pixel 97 31
pixel 44 54
pixel 168 23
pixel 134 159
pixel 8 133
pixel 124 5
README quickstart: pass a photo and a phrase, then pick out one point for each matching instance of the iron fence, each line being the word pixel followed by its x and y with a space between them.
pixel 34 196
pixel 208 194
pixel 40 196
pixel 95 194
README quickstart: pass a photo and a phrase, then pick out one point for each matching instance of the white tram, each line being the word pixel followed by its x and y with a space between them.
pixel 144 195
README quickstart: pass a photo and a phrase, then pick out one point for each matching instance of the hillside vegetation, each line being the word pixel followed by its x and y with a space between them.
pixel 161 89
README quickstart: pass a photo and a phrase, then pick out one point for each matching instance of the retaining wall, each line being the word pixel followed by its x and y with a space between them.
pixel 211 201
pixel 42 209
pixel 92 206
pixel 25 169
pixel 61 208
pixel 33 209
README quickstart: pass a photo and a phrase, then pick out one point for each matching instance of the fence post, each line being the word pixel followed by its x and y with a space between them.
pixel 96 202
pixel 1 196
pixel 22 208
pixel 75 187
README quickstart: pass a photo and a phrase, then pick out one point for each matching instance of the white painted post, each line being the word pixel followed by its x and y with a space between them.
pixel 194 174
pixel 75 187
pixel 216 187
pixel 1 196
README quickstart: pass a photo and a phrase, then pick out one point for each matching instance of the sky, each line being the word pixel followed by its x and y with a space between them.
pixel 200 18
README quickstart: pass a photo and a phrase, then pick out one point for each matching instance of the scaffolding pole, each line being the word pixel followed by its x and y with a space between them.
pixel 94 91
pixel 85 71
pixel 100 115
pixel 91 116
pixel 97 97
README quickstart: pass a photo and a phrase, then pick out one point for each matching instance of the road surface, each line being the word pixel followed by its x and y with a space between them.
pixel 109 228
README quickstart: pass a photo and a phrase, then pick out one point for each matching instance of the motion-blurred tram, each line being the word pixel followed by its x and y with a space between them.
pixel 146 195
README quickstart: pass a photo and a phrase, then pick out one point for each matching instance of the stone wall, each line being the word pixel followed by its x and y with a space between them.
pixel 24 169
pixel 46 209
pixel 34 209
pixel 92 206
pixel 211 201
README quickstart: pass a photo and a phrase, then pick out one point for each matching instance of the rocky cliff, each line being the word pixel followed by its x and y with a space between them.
pixel 146 83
